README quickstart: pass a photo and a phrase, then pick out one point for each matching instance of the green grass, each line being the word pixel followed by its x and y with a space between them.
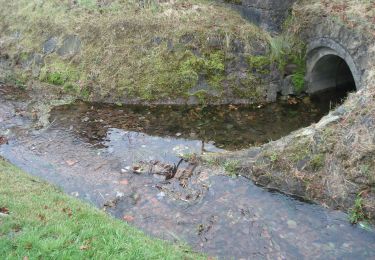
pixel 43 223
pixel 356 213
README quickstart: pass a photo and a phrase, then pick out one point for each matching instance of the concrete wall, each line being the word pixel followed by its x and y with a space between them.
pixel 269 14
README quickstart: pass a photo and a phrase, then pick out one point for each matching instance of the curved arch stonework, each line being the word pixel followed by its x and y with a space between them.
pixel 324 65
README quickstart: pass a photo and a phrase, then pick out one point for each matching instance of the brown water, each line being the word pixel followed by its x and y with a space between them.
pixel 89 148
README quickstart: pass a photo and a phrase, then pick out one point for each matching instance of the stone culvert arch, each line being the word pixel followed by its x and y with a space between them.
pixel 336 56
pixel 330 65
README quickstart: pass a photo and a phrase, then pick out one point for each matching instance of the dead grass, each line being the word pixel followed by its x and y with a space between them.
pixel 129 49
pixel 356 14
pixel 334 164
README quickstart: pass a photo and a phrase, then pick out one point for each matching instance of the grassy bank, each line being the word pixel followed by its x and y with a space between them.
pixel 44 223
pixel 132 50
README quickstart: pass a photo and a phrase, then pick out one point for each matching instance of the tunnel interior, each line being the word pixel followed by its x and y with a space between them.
pixel 331 80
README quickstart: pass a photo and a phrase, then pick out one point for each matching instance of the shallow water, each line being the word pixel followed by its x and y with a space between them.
pixel 89 149
pixel 227 127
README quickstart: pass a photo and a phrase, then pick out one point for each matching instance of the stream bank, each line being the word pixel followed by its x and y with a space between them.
pixel 208 207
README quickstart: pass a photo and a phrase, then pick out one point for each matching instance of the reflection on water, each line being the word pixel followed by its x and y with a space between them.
pixel 227 127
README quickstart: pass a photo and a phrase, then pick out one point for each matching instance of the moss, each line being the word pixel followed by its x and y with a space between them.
pixel 18 78
pixel 298 151
pixel 214 69
pixel 189 69
pixel 85 93
pixel 317 162
pixel 55 78
pixel 259 64
pixel 202 96
pixel 118 59
pixel 71 88
pixel 59 73
pixel 298 80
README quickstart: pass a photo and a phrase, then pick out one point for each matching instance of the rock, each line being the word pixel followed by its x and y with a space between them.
pixel 340 111
pixel 287 87
pixel 160 195
pixel 268 14
pixel 74 194
pixel 215 42
pixel 119 194
pixel 290 69
pixel 156 40
pixel 326 121
pixel 71 46
pixel 186 38
pixel 170 45
pixel 37 64
pixel 237 46
pixel 50 45
pixel 272 92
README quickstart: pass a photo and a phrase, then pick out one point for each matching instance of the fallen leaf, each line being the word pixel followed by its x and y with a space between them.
pixel 128 218
pixel 4 210
pixel 124 182
pixel 71 162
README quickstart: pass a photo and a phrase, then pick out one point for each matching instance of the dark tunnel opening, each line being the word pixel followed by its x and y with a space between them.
pixel 331 81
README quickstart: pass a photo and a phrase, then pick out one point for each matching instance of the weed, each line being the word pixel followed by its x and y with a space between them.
pixel 274 157
pixel 211 160
pixel 288 49
pixel 231 167
pixel 55 78
pixel 317 162
pixel 356 213
pixel 298 80
pixel 189 156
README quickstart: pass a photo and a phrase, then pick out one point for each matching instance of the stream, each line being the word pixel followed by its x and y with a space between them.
pixel 92 150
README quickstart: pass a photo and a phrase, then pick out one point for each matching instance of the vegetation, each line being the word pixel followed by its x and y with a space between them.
pixel 356 213
pixel 39 221
pixel 288 49
pixel 355 14
pixel 180 43
pixel 231 167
